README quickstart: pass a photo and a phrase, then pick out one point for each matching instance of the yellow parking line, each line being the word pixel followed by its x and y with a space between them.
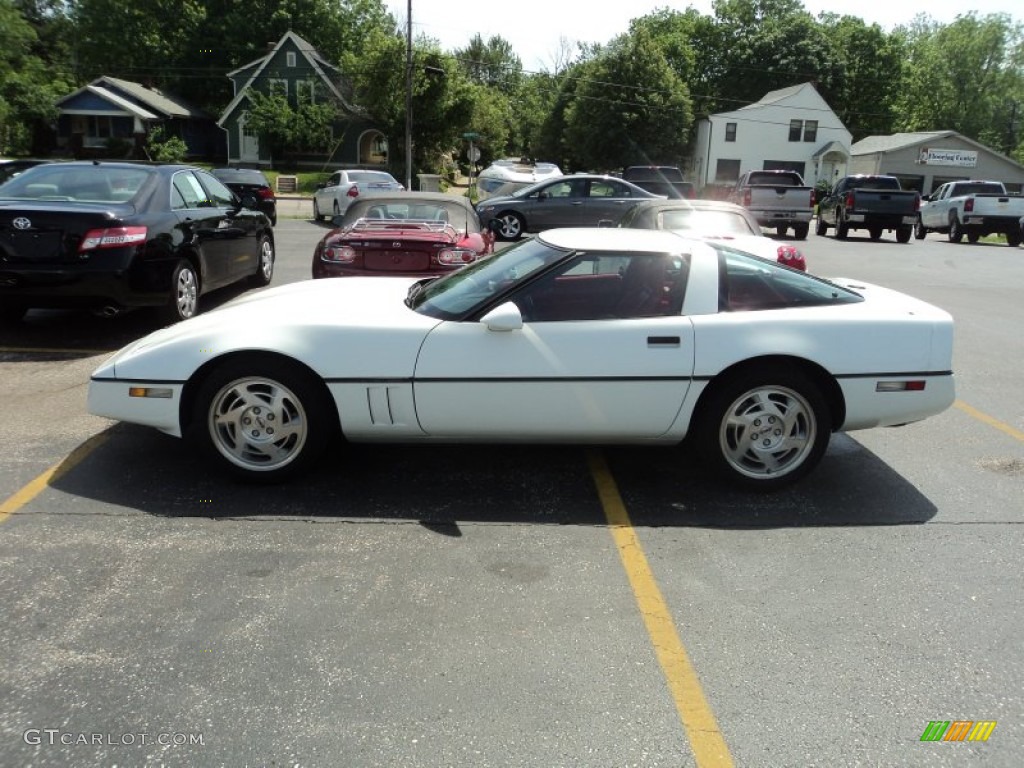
pixel 984 417
pixel 702 730
pixel 28 492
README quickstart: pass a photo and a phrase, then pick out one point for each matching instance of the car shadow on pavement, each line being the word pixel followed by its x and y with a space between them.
pixel 80 333
pixel 439 486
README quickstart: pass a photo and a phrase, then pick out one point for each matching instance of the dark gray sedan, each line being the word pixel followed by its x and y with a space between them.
pixel 580 200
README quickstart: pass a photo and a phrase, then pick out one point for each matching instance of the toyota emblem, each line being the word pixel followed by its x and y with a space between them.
pixel 22 223
pixel 396 245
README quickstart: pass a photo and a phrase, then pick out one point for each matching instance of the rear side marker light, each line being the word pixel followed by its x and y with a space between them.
pixel 353 192
pixel 900 386
pixel 164 392
pixel 112 237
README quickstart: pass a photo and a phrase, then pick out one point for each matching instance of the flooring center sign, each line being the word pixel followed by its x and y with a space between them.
pixel 961 158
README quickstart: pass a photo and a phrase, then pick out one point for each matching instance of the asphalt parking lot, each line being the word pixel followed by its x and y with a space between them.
pixel 517 606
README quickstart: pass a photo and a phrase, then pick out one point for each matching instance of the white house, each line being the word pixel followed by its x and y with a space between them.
pixel 789 129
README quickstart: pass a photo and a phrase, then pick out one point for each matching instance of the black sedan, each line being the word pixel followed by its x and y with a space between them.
pixel 113 236
pixel 249 181
pixel 580 200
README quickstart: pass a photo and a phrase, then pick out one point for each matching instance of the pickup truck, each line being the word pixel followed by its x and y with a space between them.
pixel 971 208
pixel 874 203
pixel 664 180
pixel 778 199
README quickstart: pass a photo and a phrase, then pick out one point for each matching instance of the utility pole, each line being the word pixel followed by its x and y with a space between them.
pixel 408 98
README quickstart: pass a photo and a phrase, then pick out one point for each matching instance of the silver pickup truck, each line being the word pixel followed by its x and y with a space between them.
pixel 777 199
pixel 971 208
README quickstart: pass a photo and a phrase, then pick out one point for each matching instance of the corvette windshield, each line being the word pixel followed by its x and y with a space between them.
pixel 456 294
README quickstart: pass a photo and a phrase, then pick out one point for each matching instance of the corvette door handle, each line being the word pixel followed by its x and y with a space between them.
pixel 663 341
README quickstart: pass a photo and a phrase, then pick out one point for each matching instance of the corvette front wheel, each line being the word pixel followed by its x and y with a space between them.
pixel 764 431
pixel 261 420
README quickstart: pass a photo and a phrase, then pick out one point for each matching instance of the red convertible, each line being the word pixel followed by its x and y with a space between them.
pixel 408 234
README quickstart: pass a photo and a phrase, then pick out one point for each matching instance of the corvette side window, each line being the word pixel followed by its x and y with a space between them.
pixel 607 286
pixel 749 283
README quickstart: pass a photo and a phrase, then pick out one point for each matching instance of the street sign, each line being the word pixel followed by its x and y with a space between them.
pixel 471 136
pixel 473 153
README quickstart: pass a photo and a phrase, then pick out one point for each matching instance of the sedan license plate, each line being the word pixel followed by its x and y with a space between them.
pixel 30 246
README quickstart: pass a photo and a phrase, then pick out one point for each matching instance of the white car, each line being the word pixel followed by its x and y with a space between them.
pixel 333 197
pixel 574 336
pixel 505 176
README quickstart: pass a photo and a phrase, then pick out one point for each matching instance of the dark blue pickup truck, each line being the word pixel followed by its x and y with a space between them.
pixel 874 203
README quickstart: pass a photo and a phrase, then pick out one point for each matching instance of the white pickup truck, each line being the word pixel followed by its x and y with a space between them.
pixel 971 208
pixel 777 199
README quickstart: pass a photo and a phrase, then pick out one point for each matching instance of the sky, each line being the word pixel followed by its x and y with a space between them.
pixel 535 28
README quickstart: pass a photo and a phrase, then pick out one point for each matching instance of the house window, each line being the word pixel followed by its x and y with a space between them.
pixel 277 87
pixel 727 170
pixel 806 130
pixel 290 58
pixel 305 91
pixel 730 131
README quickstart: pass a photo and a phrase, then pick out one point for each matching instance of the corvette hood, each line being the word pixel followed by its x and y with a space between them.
pixel 341 326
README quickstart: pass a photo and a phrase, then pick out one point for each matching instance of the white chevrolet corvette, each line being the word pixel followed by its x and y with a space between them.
pixel 575 336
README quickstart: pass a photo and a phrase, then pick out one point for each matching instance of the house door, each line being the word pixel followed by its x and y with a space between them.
pixel 249 143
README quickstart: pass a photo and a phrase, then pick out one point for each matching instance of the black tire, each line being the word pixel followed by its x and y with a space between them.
pixel 510 225
pixel 973 237
pixel 875 233
pixel 264 263
pixel 956 232
pixel 317 216
pixel 919 231
pixel 800 231
pixel 763 430
pixel 183 299
pixel 780 230
pixel 903 234
pixel 262 419
pixel 842 228
pixel 1013 239
pixel 820 227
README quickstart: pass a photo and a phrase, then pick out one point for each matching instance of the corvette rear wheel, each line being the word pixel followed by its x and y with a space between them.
pixel 764 431
pixel 262 420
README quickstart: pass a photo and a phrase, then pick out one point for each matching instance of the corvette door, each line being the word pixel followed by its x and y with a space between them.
pixel 603 354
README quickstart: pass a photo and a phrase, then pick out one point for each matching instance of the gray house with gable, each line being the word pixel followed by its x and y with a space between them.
pixel 296 70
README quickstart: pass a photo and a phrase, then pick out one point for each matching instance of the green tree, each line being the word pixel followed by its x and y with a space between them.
pixel 630 107
pixel 161 148
pixel 965 76
pixel 285 128
pixel 862 77
pixel 29 84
